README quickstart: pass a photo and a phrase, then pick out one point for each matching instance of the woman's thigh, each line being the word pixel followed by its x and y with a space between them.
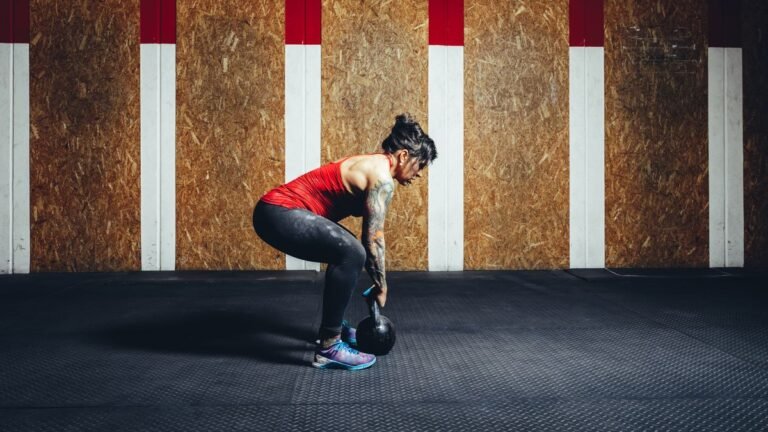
pixel 303 234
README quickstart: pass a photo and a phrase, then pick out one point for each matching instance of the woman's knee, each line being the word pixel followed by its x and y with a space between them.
pixel 356 254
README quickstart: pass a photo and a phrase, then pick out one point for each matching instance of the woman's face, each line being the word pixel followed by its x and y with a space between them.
pixel 408 168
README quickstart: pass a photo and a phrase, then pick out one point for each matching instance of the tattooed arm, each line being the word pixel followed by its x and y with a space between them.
pixel 377 199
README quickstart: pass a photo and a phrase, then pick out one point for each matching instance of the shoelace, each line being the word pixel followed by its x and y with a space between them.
pixel 343 346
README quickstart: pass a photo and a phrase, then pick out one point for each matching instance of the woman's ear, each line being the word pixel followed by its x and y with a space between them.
pixel 402 157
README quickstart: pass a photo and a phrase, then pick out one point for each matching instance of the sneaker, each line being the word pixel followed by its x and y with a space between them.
pixel 341 356
pixel 348 334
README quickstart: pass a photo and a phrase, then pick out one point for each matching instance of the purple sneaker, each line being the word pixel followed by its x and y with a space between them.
pixel 341 356
pixel 348 334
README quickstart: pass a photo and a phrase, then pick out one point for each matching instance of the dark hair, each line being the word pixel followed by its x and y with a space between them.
pixel 407 135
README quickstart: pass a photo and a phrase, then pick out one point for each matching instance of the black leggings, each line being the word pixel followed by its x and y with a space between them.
pixel 305 235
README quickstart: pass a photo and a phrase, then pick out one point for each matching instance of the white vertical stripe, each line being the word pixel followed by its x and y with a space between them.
pixel 587 157
pixel 437 101
pixel 167 157
pixel 302 120
pixel 150 156
pixel 734 159
pixel 446 174
pixel 312 82
pixel 577 133
pixel 14 153
pixel 158 156
pixel 726 157
pixel 595 108
pixel 455 204
pixel 716 146
pixel 21 230
pixel 6 157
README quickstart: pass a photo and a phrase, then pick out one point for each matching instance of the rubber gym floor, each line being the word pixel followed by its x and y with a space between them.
pixel 645 350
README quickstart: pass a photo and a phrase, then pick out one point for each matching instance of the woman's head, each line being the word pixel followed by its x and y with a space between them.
pixel 407 135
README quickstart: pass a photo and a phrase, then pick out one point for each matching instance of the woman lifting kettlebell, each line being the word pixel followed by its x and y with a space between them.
pixel 301 218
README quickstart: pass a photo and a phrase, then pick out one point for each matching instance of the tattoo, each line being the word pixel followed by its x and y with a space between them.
pixel 376 204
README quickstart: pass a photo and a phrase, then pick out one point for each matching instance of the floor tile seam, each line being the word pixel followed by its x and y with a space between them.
pixel 529 329
pixel 500 402
pixel 748 361
pixel 652 324
pixel 283 297
pixel 580 278
pixel 604 300
pixel 677 330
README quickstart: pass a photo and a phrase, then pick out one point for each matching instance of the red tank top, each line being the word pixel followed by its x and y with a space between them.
pixel 320 191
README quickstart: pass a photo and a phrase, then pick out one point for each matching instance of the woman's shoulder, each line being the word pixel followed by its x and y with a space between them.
pixel 362 157
pixel 359 170
pixel 365 162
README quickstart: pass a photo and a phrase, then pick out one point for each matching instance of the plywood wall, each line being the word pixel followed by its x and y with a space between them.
pixel 85 132
pixel 656 133
pixel 84 137
pixel 755 64
pixel 516 134
pixel 374 66
pixel 230 130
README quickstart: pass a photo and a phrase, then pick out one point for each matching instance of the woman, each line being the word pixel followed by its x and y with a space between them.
pixel 300 218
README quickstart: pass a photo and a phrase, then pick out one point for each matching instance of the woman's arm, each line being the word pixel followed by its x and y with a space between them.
pixel 378 196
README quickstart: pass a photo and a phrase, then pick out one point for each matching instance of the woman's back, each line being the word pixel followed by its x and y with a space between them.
pixel 334 191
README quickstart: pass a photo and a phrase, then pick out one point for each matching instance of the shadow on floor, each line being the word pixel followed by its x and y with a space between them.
pixel 262 334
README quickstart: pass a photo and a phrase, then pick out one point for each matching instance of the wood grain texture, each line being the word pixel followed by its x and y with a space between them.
pixel 516 134
pixel 230 130
pixel 374 66
pixel 656 133
pixel 84 137
pixel 755 65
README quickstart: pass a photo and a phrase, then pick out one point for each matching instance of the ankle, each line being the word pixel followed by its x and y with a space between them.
pixel 330 341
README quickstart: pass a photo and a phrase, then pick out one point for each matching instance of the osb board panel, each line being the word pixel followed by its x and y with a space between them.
pixel 516 134
pixel 755 66
pixel 656 187
pixel 84 137
pixel 374 66
pixel 230 133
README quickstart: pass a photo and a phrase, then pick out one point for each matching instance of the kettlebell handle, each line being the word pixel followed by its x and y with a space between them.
pixel 373 304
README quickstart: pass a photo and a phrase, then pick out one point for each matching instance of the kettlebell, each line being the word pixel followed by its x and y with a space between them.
pixel 375 333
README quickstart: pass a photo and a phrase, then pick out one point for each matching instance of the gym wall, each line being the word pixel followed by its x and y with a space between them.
pixel 516 135
pixel 656 134
pixel 84 185
pixel 374 66
pixel 84 135
pixel 230 139
pixel 754 16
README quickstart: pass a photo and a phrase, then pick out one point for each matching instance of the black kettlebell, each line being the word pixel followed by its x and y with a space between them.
pixel 375 333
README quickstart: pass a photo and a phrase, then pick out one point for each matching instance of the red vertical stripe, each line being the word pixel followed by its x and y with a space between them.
pixel 6 23
pixel 303 21
pixel 14 21
pixel 586 26
pixel 158 21
pixel 168 21
pixel 294 21
pixel 446 22
pixel 313 20
pixel 725 23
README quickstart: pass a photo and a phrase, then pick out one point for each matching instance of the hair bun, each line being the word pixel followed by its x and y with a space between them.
pixel 404 119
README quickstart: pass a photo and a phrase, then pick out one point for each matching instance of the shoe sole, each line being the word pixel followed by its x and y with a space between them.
pixel 332 364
